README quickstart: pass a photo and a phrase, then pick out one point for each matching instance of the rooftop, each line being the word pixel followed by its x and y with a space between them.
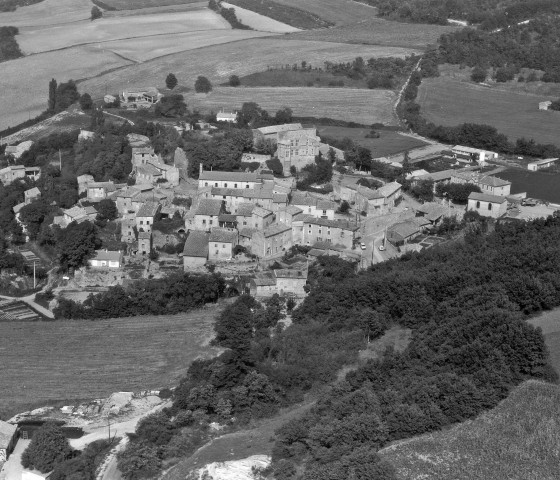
pixel 343 224
pixel 388 189
pixel 196 244
pixel 148 209
pixel 209 206
pixel 483 197
pixel 288 273
pixel 404 229
pixel 222 235
pixel 107 255
pixel 261 212
pixel 275 229
pixel 264 279
pixel 544 162
pixel 493 181
pixel 462 148
pixel 229 176
pixel 245 209
pixel 279 128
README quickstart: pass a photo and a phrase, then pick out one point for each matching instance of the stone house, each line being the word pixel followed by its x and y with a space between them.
pixel 206 216
pixel 244 213
pixel 127 231
pixel 235 180
pixel 229 117
pixel 261 218
pixel 195 252
pixel 493 206
pixel 272 132
pixel 337 232
pixel 286 215
pixel 17 151
pixel 31 195
pixel 297 148
pixel 403 232
pixel 284 282
pixel 144 243
pixel 272 241
pixel 83 182
pixel 487 183
pixel 146 216
pixel 8 440
pixel 14 172
pixel 315 206
pixel 221 244
pixel 106 259
pixel 97 191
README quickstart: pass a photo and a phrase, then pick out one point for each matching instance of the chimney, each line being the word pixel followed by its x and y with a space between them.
pixel 200 167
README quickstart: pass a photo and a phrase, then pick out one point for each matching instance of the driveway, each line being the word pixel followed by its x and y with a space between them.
pixel 12 469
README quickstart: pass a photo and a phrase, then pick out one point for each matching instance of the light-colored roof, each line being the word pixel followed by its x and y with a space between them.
pixel 279 128
pixel 245 209
pixel 292 210
pixel 462 148
pixel 7 432
pixel 484 197
pixel 388 189
pixel 209 206
pixel 32 192
pixel 85 178
pixel 544 162
pixel 265 279
pixel 404 229
pixel 310 133
pixel 276 229
pixel 226 115
pixel 143 150
pixel 148 209
pixel 90 210
pixel 196 244
pixel 223 235
pixel 261 212
pixel 247 232
pixel 75 212
pixel 438 176
pixel 107 255
pixel 18 207
pixel 147 169
pixel 228 176
pixel 493 181
pixel 344 224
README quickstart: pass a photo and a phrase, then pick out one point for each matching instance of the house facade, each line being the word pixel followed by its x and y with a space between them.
pixel 330 231
pixel 146 216
pixel 195 252
pixel 297 148
pixel 221 244
pixel 492 206
pixel 284 282
pixel 144 243
pixel 272 241
pixel 106 259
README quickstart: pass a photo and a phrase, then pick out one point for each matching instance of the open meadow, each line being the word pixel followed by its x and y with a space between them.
pixel 348 104
pixel 447 101
pixel 517 440
pixel 259 22
pixel 140 4
pixel 23 99
pixel 339 12
pixel 70 360
pixel 388 143
pixel 378 31
pixel 48 12
pixel 240 58
pixel 41 39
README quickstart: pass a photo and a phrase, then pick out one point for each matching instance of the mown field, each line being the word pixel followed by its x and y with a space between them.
pixel 378 31
pixel 446 101
pixel 24 83
pixel 388 143
pixel 549 322
pixel 241 58
pixel 259 22
pixel 34 40
pixel 339 12
pixel 517 440
pixel 48 12
pixel 362 106
pixel 137 4
pixel 69 360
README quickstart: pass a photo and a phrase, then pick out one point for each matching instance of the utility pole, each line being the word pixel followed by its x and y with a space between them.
pixel 34 278
pixel 60 161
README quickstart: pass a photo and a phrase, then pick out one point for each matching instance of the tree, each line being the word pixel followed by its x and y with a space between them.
pixel 96 13
pixel 234 81
pixel 202 85
pixel 171 81
pixel 107 210
pixel 33 215
pixel 52 95
pixel 77 243
pixel 48 447
pixel 478 74
pixel 344 207
pixel 171 106
pixel 139 460
pixel 66 95
pixel 406 167
pixel 275 166
pixel 284 115
pixel 86 102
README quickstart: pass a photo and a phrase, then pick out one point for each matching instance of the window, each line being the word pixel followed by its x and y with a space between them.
pixel 328 240
pixel 203 222
pixel 235 185
pixel 324 212
pixel 147 222
pixel 342 234
pixel 216 184
pixel 320 231
pixel 205 184
pixel 246 186
pixel 223 245
pixel 489 206
pixel 244 223
pixel 477 204
pixel 329 231
pixel 217 251
pixel 210 222
pixel 141 222
pixel 225 185
pixel 224 197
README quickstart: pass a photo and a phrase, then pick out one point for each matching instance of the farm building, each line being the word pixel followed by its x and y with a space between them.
pixel 403 232
pixel 493 206
pixel 195 252
pixel 140 98
pixel 281 281
pixel 473 154
pixel 540 164
pixel 17 151
pixel 229 117
pixel 545 105
pixel 107 259
pixel 8 439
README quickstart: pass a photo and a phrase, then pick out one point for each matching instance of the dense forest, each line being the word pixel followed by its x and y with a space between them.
pixel 466 304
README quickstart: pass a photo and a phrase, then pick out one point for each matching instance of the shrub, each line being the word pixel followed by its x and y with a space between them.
pixel 48 447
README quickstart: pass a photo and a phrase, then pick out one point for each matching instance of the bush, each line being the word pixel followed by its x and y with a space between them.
pixel 234 81
pixel 202 85
pixel 48 448
pixel 478 74
pixel 171 81
pixel 96 13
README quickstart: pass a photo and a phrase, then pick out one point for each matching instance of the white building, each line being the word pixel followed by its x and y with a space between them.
pixel 493 206
pixel 106 259
pixel 540 164
pixel 229 117
pixel 473 154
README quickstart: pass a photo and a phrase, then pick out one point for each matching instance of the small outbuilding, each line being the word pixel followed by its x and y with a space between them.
pixel 493 206
pixel 107 259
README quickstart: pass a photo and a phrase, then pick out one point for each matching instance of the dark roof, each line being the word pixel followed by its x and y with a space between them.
pixel 288 273
pixel 247 232
pixel 280 197
pixel 196 244
pixel 209 206
pixel 222 235
pixel 227 217
pixel 148 209
pixel 344 224
pixel 275 229
pixel 404 229
pixel 264 279
pixel 245 209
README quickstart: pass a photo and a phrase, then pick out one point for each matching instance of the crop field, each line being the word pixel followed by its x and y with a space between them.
pixel 339 12
pixel 362 106
pixel 378 31
pixel 34 40
pixel 240 58
pixel 449 102
pixel 137 4
pixel 48 12
pixel 260 22
pixel 549 322
pixel 147 48
pixel 388 143
pixel 70 360
pixel 517 440
pixel 21 100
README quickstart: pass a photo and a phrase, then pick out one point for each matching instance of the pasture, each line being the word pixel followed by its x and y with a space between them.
pixel 447 101
pixel 48 12
pixel 362 106
pixel 139 4
pixel 543 184
pixel 287 77
pixel 388 143
pixel 36 40
pixel 517 440
pixel 549 323
pixel 378 31
pixel 21 100
pixel 339 12
pixel 260 22
pixel 240 58
pixel 70 360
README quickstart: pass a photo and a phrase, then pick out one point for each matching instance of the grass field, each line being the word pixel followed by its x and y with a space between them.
pixel 34 40
pixel 66 360
pixel 260 22
pixel 239 58
pixel 362 106
pixel 339 12
pixel 517 440
pixel 48 12
pixel 378 31
pixel 137 4
pixel 298 78
pixel 389 142
pixel 549 322
pixel 20 100
pixel 543 185
pixel 446 101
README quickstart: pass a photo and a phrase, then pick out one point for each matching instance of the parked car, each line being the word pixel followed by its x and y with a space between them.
pixel 363 246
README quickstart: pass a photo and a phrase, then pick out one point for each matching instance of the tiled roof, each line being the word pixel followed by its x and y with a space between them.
pixel 265 279
pixel 245 209
pixel 90 210
pixel 209 206
pixel 147 169
pixel 75 212
pixel 227 217
pixel 493 181
pixel 261 212
pixel 279 128
pixel 280 198
pixel 276 229
pixel 404 229
pixel 196 244
pixel 344 224
pixel 247 232
pixel 18 207
pixel 229 176
pixel 148 209
pixel 222 235
pixel 388 189
pixel 32 192
pixel 326 205
pixel 483 197
pixel 108 255
pixel 292 210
